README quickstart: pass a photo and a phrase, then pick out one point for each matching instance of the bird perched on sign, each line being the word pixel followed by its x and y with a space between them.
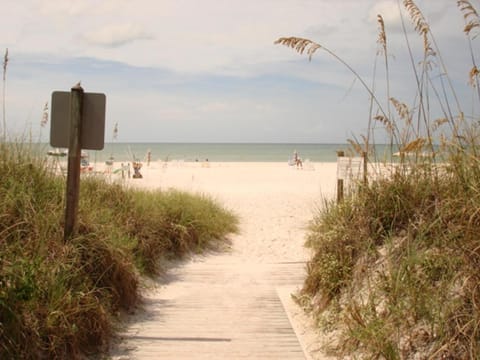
pixel 77 86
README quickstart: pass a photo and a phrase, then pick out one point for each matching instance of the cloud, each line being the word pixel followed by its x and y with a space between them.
pixel 213 107
pixel 390 14
pixel 213 68
pixel 116 35
pixel 321 31
pixel 60 8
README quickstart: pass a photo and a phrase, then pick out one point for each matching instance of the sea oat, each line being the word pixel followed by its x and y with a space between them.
pixel 5 63
pixel 414 146
pixel 470 15
pixel 382 36
pixel 473 76
pixel 421 25
pixel 44 120
pixel 385 121
pixel 438 122
pixel 356 146
pixel 418 19
pixel 402 110
pixel 300 44
pixel 364 138
pixel 4 121
pixel 115 131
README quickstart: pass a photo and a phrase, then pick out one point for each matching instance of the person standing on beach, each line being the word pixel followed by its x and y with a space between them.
pixel 297 160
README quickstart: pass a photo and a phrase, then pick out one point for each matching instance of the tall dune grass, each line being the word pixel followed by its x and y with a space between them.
pixel 62 300
pixel 395 271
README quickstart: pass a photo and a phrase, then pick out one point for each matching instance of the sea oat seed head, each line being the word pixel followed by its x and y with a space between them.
pixel 417 17
pixel 402 109
pixel 414 146
pixel 470 15
pixel 473 76
pixel 5 62
pixel 299 44
pixel 382 36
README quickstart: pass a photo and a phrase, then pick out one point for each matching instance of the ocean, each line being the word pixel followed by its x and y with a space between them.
pixel 216 152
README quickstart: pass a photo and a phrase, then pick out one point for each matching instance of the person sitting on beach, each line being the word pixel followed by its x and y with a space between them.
pixel 136 169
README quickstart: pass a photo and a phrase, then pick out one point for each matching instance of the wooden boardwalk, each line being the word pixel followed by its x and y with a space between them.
pixel 202 313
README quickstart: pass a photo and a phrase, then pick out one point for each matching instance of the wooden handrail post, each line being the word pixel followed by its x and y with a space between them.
pixel 340 154
pixel 365 167
pixel 74 155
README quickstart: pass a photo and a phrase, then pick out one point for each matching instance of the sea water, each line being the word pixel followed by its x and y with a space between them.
pixel 217 152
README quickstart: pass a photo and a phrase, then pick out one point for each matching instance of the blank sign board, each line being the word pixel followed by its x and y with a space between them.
pixel 93 120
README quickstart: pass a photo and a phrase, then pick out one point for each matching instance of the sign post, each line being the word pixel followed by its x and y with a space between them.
pixel 77 122
pixel 74 154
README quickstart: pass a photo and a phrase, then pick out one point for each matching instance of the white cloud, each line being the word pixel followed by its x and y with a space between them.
pixel 62 8
pixel 116 35
pixel 212 62
pixel 214 107
pixel 390 13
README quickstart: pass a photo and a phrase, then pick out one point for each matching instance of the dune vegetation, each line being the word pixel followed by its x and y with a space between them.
pixel 63 299
pixel 395 273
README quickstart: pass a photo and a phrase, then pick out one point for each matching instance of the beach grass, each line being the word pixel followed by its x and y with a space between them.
pixel 400 261
pixel 395 271
pixel 62 300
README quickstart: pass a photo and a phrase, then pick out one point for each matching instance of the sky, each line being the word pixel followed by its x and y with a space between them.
pixel 209 71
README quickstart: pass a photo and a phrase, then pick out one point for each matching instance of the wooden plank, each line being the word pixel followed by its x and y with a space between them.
pixel 203 313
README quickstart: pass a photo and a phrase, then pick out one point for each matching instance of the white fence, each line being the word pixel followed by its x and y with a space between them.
pixel 349 169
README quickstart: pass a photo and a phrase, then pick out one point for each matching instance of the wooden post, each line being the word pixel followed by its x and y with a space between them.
pixel 339 190
pixel 74 155
pixel 340 154
pixel 365 167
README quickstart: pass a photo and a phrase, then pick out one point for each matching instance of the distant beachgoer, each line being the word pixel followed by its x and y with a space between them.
pixel 297 160
pixel 136 170
pixel 149 157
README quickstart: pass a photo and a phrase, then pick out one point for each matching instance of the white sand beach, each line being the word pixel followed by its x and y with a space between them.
pixel 274 202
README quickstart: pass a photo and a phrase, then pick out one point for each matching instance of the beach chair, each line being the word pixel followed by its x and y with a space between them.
pixel 308 165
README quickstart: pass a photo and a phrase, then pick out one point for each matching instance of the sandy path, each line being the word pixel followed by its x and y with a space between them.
pixel 206 304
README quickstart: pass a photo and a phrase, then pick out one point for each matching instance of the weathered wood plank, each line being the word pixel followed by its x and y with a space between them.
pixel 203 313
